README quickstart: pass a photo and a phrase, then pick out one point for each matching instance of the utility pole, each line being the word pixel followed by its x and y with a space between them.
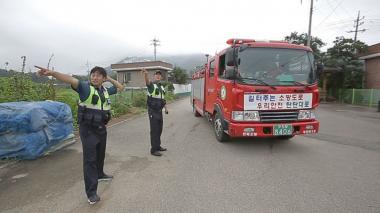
pixel 23 63
pixel 358 22
pixel 310 18
pixel 48 65
pixel 88 69
pixel 6 66
pixel 155 43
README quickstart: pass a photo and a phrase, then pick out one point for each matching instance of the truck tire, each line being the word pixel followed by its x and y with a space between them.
pixel 220 135
pixel 285 137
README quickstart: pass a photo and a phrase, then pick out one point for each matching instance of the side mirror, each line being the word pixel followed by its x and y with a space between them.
pixel 230 57
pixel 230 72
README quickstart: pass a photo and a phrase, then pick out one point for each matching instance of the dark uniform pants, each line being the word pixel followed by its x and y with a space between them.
pixel 94 148
pixel 156 122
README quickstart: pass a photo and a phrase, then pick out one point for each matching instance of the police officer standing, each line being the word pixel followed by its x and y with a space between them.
pixel 93 114
pixel 155 102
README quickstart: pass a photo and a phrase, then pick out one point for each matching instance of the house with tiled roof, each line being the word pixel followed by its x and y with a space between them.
pixel 130 73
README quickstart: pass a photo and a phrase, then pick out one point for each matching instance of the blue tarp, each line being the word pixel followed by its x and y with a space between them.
pixel 28 129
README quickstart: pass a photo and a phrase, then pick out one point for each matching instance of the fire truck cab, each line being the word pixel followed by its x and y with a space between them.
pixel 258 89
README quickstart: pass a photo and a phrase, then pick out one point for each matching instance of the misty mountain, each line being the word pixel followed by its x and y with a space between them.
pixel 189 62
pixel 6 73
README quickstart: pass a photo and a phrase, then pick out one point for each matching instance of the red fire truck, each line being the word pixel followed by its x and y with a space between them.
pixel 258 89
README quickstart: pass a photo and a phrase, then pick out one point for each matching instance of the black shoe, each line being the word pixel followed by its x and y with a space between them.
pixel 162 149
pixel 156 153
pixel 105 177
pixel 93 199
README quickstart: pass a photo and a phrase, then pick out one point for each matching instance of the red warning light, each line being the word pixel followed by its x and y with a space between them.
pixel 239 41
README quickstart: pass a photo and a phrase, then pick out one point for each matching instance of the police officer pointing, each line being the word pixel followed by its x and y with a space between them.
pixel 155 102
pixel 93 114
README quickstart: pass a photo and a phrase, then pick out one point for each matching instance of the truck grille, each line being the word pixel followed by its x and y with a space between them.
pixel 273 116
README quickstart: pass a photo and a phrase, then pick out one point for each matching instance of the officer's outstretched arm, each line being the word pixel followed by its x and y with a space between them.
pixel 145 75
pixel 118 85
pixel 60 76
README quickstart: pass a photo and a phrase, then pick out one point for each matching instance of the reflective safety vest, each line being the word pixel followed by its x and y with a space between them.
pixel 157 92
pixel 89 102
pixel 92 111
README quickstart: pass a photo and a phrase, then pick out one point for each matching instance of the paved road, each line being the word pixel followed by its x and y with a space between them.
pixel 337 170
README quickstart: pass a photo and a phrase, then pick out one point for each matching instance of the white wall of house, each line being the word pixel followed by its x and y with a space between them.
pixel 182 88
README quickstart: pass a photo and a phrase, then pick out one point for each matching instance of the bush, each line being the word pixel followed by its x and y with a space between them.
pixel 168 86
pixel 20 87
pixel 119 108
pixel 69 97
pixel 170 96
pixel 139 99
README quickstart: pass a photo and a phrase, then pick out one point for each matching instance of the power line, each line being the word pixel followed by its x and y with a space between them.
pixel 345 10
pixel 338 22
pixel 333 11
pixel 338 28
pixel 373 19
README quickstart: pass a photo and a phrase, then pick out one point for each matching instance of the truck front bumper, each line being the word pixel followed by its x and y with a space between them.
pixel 266 129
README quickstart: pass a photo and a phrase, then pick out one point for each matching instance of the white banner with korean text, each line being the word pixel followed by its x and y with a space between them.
pixel 254 101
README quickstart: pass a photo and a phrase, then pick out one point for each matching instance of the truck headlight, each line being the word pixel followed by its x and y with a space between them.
pixel 306 114
pixel 245 116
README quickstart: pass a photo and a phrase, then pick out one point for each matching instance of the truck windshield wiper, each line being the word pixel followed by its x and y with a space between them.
pixel 297 83
pixel 259 81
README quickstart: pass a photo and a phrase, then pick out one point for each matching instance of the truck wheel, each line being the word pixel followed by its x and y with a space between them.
pixel 285 137
pixel 196 113
pixel 220 135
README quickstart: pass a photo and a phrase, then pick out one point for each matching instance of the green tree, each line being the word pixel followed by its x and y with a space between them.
pixel 344 55
pixel 178 76
pixel 316 43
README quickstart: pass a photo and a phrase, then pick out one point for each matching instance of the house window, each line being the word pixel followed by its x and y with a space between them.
pixel 127 77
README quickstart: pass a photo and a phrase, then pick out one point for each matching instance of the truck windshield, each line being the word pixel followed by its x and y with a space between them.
pixel 276 66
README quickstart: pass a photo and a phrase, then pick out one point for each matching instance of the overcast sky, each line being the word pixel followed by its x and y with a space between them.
pixel 103 32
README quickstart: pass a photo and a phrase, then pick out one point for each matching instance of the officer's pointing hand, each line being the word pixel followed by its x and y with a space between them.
pixel 43 71
pixel 144 72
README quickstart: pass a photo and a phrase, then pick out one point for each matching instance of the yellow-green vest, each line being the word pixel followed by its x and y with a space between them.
pixel 158 94
pixel 106 106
